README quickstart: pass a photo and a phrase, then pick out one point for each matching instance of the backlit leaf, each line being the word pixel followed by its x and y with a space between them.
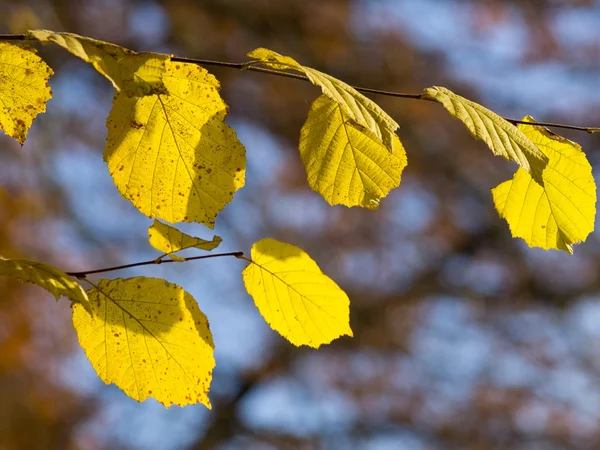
pixel 561 211
pixel 344 162
pixel 502 137
pixel 24 89
pixel 130 72
pixel 171 155
pixel 149 338
pixel 359 108
pixel 46 276
pixel 295 298
pixel 169 240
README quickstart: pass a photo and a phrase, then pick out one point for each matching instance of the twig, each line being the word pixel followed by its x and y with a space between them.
pixel 13 37
pixel 84 273
pixel 281 73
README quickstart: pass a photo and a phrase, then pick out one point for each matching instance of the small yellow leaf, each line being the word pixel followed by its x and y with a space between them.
pixel 359 108
pixel 345 163
pixel 169 240
pixel 171 155
pixel 24 89
pixel 296 299
pixel 46 276
pixel 561 211
pixel 502 137
pixel 133 73
pixel 149 338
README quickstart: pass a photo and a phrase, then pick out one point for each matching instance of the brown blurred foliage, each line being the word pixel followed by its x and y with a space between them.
pixel 433 276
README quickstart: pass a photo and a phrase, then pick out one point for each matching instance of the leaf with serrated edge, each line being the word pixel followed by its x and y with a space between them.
pixel 359 108
pixel 149 338
pixel 169 240
pixel 130 72
pixel 345 163
pixel 295 298
pixel 24 89
pixel 561 211
pixel 171 155
pixel 502 137
pixel 46 276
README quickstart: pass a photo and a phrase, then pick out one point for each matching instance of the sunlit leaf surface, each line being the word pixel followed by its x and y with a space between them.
pixel 149 338
pixel 24 89
pixel 295 298
pixel 561 211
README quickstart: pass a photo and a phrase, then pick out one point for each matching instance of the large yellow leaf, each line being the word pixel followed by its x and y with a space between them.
pixel 46 276
pixel 502 137
pixel 149 338
pixel 171 155
pixel 295 298
pixel 24 89
pixel 344 162
pixel 561 211
pixel 359 108
pixel 169 240
pixel 130 72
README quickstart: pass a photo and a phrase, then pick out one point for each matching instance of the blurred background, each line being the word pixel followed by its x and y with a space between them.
pixel 464 337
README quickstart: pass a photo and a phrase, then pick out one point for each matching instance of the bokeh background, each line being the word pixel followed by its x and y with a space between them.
pixel 464 337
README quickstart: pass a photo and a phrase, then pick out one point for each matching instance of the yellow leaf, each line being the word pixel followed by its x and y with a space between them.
pixel 130 72
pixel 296 299
pixel 24 89
pixel 502 137
pixel 48 277
pixel 169 240
pixel 359 108
pixel 171 155
pixel 149 338
pixel 345 163
pixel 561 211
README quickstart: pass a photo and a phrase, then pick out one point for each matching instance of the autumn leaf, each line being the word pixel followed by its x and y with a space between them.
pixel 24 89
pixel 169 240
pixel 46 276
pixel 344 162
pixel 357 107
pixel 296 299
pixel 132 73
pixel 502 137
pixel 561 211
pixel 149 338
pixel 171 155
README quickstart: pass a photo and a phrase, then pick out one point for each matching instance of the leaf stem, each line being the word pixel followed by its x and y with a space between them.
pixel 245 258
pixel 249 65
pixel 84 273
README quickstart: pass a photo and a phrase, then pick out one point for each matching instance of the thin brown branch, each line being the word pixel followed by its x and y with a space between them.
pixel 589 130
pixel 84 273
pixel 13 37
pixel 282 73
